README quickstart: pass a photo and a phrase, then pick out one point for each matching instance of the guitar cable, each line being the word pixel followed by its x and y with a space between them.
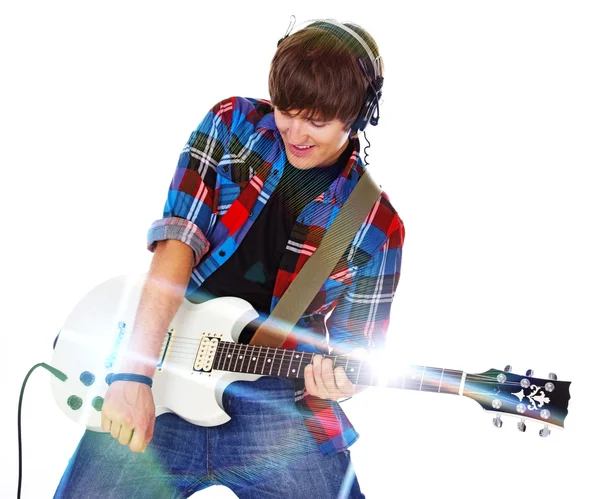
pixel 61 376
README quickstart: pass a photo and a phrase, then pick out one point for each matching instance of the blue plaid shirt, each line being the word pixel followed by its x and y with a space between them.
pixel 226 173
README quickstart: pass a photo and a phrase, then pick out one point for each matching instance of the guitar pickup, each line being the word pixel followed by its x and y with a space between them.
pixel 207 350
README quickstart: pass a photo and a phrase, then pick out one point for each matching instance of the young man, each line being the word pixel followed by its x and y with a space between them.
pixel 257 185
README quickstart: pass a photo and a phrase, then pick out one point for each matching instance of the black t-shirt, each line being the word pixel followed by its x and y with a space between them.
pixel 251 271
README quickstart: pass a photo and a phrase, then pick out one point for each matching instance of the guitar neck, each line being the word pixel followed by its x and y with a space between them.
pixel 268 361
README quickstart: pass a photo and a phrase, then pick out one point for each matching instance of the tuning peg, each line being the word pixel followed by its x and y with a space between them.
pixel 545 431
pixel 521 425
pixel 552 376
pixel 529 373
pixel 508 368
pixel 497 421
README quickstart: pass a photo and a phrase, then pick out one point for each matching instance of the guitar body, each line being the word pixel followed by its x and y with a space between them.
pixel 200 356
pixel 96 333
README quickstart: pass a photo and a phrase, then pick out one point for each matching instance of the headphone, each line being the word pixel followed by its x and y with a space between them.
pixel 366 115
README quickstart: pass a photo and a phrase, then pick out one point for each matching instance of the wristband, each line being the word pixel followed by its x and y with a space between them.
pixel 138 378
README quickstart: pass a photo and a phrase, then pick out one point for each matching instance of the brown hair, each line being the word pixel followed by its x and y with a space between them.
pixel 315 70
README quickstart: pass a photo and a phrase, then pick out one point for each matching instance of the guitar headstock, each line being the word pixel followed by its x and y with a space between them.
pixel 504 392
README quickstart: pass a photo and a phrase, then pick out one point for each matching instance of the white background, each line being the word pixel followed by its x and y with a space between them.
pixel 487 146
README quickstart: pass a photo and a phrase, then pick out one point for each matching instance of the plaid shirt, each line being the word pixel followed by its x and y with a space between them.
pixel 226 173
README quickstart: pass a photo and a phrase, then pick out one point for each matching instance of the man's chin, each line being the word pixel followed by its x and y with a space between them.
pixel 300 163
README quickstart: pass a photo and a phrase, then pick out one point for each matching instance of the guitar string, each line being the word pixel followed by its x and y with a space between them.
pixel 286 362
pixel 188 353
pixel 428 384
pixel 284 356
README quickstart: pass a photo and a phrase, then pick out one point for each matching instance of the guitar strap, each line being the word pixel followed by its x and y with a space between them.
pixel 300 293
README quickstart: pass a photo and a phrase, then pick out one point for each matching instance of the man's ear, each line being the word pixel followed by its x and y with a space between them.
pixel 351 134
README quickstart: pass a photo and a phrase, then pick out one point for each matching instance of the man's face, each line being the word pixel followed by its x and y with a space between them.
pixel 327 139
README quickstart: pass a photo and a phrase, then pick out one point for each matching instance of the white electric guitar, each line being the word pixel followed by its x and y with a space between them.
pixel 200 357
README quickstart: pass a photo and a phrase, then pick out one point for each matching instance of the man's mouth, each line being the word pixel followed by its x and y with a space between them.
pixel 300 150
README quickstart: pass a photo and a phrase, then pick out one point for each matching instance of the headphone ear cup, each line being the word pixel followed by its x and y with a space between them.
pixel 365 117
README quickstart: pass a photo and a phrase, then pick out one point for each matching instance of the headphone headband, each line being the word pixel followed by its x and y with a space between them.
pixel 357 37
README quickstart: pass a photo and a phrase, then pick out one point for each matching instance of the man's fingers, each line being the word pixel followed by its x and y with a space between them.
pixel 309 380
pixel 318 376
pixel 344 385
pixel 105 422
pixel 329 379
pixel 125 435
pixel 138 442
pixel 321 380
pixel 115 429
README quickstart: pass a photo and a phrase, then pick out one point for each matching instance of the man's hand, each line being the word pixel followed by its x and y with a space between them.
pixel 128 413
pixel 322 381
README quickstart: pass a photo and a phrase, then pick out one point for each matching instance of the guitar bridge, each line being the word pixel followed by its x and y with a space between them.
pixel 206 352
pixel 165 349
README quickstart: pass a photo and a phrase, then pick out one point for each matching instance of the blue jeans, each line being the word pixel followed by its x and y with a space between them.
pixel 264 452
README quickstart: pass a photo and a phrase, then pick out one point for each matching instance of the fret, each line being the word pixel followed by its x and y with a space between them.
pixel 253 359
pixel 412 380
pixel 291 362
pixel 281 361
pixel 312 356
pixel 428 379
pixel 250 354
pixel 235 354
pixel 271 361
pixel 300 367
pixel 260 352
pixel 262 371
pixel 242 357
pixel 293 371
pixel 218 356
pixel 432 379
pixel 247 360
pixel 350 370
pixel 230 353
pixel 358 371
pixel 452 381
pixel 239 358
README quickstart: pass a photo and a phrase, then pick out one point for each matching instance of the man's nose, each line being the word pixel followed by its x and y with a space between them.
pixel 297 132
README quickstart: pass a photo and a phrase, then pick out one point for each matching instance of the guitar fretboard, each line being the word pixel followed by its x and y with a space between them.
pixel 268 361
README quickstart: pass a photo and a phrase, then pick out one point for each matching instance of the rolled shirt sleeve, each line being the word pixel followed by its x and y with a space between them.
pixel 190 203
pixel 181 229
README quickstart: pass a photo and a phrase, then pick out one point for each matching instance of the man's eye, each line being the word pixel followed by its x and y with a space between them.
pixel 316 124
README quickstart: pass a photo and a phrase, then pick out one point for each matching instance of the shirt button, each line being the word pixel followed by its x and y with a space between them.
pixel 221 253
pixel 275 172
pixel 225 168
pixel 251 213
